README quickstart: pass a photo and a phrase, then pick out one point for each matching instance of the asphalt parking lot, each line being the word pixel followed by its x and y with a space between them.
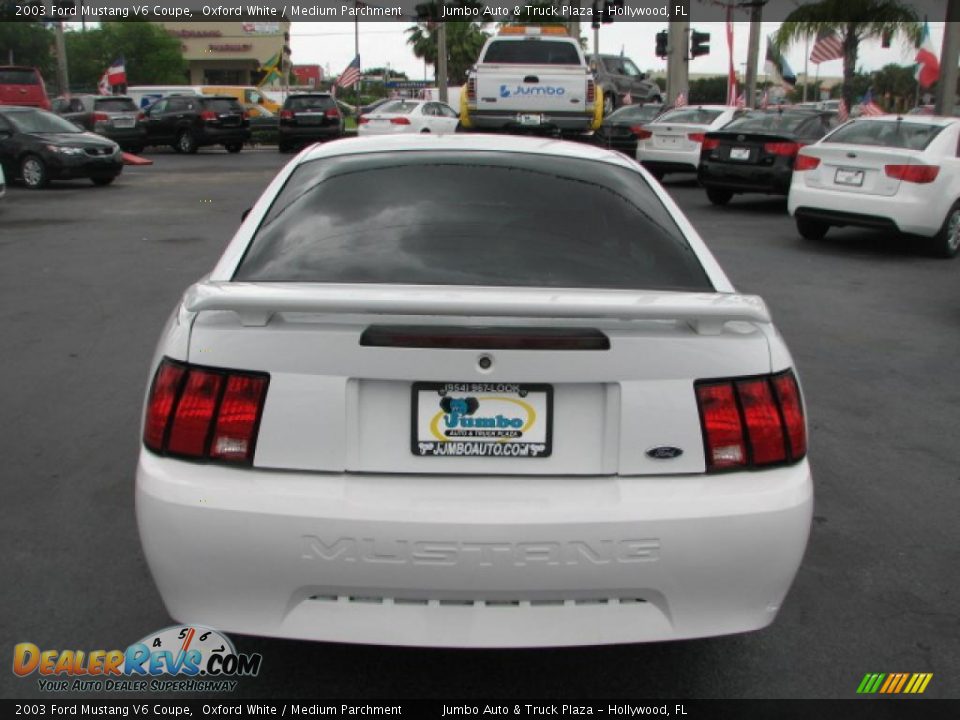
pixel 88 276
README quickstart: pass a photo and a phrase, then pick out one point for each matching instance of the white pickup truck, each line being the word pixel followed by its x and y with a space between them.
pixel 528 79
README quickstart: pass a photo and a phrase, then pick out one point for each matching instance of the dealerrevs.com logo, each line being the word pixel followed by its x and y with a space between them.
pixel 181 658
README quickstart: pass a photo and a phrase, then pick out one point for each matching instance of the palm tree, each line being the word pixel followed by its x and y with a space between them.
pixel 464 41
pixel 853 21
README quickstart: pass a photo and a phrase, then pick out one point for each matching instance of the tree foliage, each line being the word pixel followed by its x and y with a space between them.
pixel 27 43
pixel 464 42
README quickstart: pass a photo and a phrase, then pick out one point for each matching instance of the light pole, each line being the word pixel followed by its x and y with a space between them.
pixel 950 50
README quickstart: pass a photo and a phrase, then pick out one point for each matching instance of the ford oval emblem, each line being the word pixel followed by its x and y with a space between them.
pixel 664 452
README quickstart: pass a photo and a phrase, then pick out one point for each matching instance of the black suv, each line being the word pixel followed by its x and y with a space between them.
pixel 188 122
pixel 309 117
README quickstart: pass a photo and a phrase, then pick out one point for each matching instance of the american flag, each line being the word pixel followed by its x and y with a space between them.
pixel 869 108
pixel 681 100
pixel 842 113
pixel 827 47
pixel 351 74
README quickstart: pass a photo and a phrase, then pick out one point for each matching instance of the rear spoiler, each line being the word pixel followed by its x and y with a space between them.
pixel 256 302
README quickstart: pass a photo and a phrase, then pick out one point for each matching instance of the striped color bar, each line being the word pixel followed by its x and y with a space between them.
pixel 894 683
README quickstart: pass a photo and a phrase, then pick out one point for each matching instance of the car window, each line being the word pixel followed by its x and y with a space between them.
pixel 310 102
pixel 454 218
pixel 222 105
pixel 692 115
pixel 176 105
pixel 447 111
pixel 909 135
pixel 115 105
pixel 532 51
pixel 75 106
pixel 635 113
pixel 18 77
pixel 39 121
pixel 5 125
pixel 768 122
pixel 159 107
pixel 431 109
pixel 400 108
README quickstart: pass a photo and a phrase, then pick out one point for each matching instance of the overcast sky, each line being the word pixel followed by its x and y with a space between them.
pixel 332 44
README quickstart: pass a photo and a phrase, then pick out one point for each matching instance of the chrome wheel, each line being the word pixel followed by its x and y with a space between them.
pixel 33 172
pixel 953 231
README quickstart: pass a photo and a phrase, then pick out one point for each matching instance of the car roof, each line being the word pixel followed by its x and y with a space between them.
pixel 20 108
pixel 457 142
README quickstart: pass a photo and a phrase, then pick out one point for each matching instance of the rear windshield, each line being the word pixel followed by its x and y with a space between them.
pixel 39 121
pixel 909 135
pixel 692 115
pixel 400 108
pixel 767 122
pixel 313 102
pixel 18 77
pixel 533 51
pixel 115 105
pixel 222 105
pixel 471 218
pixel 634 113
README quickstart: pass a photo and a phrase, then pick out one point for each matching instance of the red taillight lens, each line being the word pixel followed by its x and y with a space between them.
pixel 591 91
pixel 472 89
pixel 710 144
pixel 399 121
pixel 785 149
pixel 913 173
pixel 208 115
pixel 101 117
pixel 640 132
pixel 696 137
pixel 332 113
pixel 203 413
pixel 245 115
pixel 163 396
pixel 753 422
pixel 141 117
pixel 806 162
pixel 363 120
pixel 286 114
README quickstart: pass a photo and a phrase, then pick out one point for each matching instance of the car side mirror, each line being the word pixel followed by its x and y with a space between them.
pixel 243 215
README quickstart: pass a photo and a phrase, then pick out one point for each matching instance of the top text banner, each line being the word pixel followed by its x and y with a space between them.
pixel 658 11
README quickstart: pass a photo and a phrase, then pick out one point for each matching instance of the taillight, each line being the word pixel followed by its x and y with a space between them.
pixel 101 117
pixel 332 113
pixel 363 120
pixel 913 173
pixel 710 144
pixel 785 149
pixel 208 115
pixel 640 132
pixel 245 115
pixel 399 121
pixel 591 91
pixel 286 114
pixel 472 90
pixel 141 117
pixel 751 422
pixel 696 137
pixel 204 413
pixel 806 162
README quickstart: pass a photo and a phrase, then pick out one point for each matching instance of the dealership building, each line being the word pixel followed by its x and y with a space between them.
pixel 227 53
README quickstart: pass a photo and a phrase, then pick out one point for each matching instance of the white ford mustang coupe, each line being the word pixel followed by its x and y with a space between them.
pixel 471 391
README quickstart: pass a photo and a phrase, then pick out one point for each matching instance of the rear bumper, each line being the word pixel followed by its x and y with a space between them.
pixel 772 180
pixel 904 212
pixel 470 561
pixel 305 134
pixel 550 121
pixel 219 136
pixel 126 137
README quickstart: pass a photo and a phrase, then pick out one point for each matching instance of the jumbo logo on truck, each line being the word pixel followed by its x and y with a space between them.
pixel 505 91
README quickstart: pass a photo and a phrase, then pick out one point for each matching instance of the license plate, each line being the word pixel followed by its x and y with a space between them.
pixel 310 119
pixel 510 420
pixel 848 177
pixel 123 122
pixel 667 140
pixel 531 119
pixel 739 153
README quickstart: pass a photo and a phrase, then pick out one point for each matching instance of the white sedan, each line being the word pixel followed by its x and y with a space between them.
pixel 409 116
pixel 672 144
pixel 887 172
pixel 513 402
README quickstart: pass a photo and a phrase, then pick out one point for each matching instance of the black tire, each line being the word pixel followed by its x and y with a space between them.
pixel 234 147
pixel 425 131
pixel 103 179
pixel 946 243
pixel 812 229
pixel 186 143
pixel 33 172
pixel 718 196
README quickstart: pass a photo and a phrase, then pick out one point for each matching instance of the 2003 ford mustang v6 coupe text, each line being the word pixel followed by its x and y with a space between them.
pixel 512 402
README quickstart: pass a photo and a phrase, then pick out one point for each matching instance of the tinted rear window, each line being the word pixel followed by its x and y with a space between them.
pixel 692 115
pixel 400 108
pixel 222 105
pixel 471 218
pixel 635 112
pixel 768 122
pixel 18 77
pixel 115 105
pixel 910 135
pixel 532 52
pixel 310 103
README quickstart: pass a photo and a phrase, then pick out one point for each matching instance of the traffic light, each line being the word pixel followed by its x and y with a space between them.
pixel 699 43
pixel 662 40
pixel 599 11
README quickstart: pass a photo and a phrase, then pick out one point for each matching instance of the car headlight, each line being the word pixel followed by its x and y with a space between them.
pixel 65 149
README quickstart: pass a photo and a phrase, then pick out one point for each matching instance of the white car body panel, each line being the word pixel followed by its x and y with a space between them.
pixel 670 145
pixel 378 122
pixel 338 532
pixel 913 208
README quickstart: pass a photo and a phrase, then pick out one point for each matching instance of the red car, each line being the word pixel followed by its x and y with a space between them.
pixel 22 86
